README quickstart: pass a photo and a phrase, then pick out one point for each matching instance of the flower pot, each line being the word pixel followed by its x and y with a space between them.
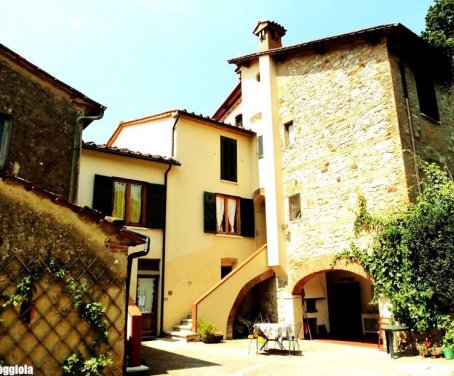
pixel 448 352
pixel 435 352
pixel 212 338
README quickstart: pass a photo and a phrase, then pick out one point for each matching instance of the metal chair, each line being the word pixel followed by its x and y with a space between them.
pixel 292 333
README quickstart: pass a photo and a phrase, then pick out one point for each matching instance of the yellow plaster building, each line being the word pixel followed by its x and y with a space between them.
pixel 257 200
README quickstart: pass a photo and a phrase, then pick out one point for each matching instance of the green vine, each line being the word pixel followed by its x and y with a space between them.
pixel 410 257
pixel 91 313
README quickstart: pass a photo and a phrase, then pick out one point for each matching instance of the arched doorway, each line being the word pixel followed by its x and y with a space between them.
pixel 335 301
pixel 257 296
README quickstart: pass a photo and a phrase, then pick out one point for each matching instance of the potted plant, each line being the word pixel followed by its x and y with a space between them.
pixel 448 343
pixel 424 347
pixel 207 332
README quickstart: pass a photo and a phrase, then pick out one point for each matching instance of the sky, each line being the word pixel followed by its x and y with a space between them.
pixel 142 57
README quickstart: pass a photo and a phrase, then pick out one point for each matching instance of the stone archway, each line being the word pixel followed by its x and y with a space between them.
pixel 332 296
pixel 302 273
pixel 243 292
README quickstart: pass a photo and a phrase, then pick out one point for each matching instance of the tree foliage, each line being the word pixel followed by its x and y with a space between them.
pixel 439 30
pixel 411 256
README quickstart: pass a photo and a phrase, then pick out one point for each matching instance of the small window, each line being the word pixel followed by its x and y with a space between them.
pixel 228 159
pixel 227 214
pixel 260 146
pixel 294 203
pixel 239 120
pixel 226 270
pixel 426 95
pixel 289 134
pixel 5 129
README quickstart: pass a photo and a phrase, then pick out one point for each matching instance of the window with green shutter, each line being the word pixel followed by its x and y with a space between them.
pixel 229 215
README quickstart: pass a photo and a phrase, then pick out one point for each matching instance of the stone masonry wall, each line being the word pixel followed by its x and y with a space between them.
pixel 434 141
pixel 43 124
pixel 346 141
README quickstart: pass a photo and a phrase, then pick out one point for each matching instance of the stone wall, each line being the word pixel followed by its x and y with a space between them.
pixel 34 230
pixel 433 140
pixel 347 141
pixel 43 124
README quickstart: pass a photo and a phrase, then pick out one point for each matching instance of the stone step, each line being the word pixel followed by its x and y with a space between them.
pixel 184 335
pixel 183 327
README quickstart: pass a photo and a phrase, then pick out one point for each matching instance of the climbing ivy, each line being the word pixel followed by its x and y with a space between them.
pixel 91 313
pixel 411 255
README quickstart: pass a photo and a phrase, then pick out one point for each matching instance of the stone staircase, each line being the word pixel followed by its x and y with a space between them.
pixel 183 331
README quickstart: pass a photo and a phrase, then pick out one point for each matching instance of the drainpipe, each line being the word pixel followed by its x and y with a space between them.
pixel 131 257
pixel 163 257
pixel 410 125
pixel 173 134
pixel 76 152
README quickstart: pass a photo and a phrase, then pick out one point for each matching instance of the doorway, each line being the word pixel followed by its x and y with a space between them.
pixel 147 299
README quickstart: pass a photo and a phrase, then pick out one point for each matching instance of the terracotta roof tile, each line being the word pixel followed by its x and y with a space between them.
pixel 130 153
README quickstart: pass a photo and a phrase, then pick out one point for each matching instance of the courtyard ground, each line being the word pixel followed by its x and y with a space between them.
pixel 318 357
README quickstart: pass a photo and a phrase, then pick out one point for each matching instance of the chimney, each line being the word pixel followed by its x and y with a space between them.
pixel 270 34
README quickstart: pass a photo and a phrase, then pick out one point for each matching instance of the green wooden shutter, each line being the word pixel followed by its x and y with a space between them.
pixel 102 194
pixel 209 212
pixel 228 159
pixel 156 196
pixel 247 217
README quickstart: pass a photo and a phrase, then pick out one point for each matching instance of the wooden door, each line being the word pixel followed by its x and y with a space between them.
pixel 147 301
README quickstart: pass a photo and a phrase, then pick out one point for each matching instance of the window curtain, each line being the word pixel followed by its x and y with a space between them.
pixel 232 213
pixel 135 203
pixel 119 200
pixel 219 213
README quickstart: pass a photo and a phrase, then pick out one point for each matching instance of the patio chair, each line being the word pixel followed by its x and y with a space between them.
pixel 291 335
pixel 253 336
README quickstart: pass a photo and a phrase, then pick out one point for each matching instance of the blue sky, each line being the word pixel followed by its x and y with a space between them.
pixel 140 57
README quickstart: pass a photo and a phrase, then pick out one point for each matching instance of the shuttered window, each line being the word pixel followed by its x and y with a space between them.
pixel 228 215
pixel 137 203
pixel 5 127
pixel 228 159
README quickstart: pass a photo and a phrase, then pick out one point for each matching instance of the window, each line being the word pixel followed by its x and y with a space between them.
pixel 229 215
pixel 289 132
pixel 260 146
pixel 226 270
pixel 294 203
pixel 128 201
pixel 239 120
pixel 5 129
pixel 228 159
pixel 138 203
pixel 426 95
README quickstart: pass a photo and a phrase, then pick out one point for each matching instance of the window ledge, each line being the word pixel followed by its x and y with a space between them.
pixel 222 235
pixel 431 119
pixel 229 181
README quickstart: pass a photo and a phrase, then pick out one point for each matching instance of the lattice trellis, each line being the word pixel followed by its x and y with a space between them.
pixel 56 329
